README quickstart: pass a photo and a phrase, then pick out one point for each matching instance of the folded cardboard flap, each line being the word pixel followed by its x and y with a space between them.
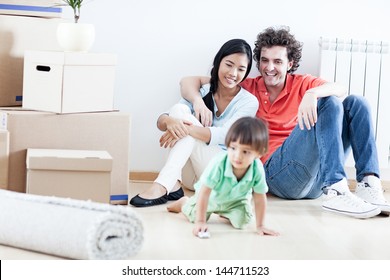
pixel 79 174
pixel 58 159
pixel 47 58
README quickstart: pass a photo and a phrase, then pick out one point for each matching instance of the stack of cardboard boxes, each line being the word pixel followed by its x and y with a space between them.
pixel 59 132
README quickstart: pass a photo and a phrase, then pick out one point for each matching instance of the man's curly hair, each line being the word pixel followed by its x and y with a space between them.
pixel 279 37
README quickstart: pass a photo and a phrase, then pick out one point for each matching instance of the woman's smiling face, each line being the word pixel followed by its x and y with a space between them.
pixel 232 69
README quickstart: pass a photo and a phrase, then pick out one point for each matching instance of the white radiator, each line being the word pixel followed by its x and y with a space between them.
pixel 363 66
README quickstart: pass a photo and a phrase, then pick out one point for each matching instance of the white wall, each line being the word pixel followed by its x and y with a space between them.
pixel 160 41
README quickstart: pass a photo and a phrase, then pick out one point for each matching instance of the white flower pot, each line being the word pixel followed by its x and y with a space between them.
pixel 75 37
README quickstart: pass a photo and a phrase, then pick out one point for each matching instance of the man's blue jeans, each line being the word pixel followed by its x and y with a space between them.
pixel 309 160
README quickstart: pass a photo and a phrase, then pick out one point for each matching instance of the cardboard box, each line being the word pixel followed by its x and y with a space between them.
pixel 107 131
pixel 4 154
pixel 36 8
pixel 18 34
pixel 78 174
pixel 68 82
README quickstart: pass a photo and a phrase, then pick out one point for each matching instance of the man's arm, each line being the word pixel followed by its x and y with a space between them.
pixel 328 89
pixel 189 87
pixel 307 111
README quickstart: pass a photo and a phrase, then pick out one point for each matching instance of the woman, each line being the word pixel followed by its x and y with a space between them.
pixel 186 136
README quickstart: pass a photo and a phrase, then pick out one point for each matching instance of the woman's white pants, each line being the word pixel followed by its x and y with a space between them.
pixel 189 156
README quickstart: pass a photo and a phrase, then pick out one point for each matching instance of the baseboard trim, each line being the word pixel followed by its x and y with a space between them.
pixel 151 176
pixel 143 176
pixel 385 185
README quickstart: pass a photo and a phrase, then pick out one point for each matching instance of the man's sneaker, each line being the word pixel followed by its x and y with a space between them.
pixel 370 189
pixel 339 199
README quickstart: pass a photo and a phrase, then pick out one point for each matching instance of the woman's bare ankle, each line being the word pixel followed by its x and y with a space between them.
pixel 176 186
pixel 155 191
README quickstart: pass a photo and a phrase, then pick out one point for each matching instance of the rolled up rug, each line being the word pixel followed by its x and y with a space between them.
pixel 69 228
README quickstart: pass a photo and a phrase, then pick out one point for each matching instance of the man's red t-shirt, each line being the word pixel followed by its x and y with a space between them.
pixel 281 115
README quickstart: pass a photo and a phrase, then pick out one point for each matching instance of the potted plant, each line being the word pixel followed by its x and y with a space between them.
pixel 75 5
pixel 75 36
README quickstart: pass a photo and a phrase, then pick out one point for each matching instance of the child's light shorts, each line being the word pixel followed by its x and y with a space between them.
pixel 239 212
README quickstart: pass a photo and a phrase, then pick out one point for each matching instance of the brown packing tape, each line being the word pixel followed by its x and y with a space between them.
pixel 4 155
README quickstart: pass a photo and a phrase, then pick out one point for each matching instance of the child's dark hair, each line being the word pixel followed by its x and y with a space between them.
pixel 249 131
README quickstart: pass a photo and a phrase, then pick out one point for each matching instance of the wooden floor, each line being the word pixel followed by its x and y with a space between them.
pixel 307 233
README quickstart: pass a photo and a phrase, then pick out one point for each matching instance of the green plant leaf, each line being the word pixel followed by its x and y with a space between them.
pixel 75 5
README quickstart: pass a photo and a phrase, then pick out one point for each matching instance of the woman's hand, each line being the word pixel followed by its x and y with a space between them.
pixel 202 113
pixel 167 140
pixel 307 111
pixel 176 130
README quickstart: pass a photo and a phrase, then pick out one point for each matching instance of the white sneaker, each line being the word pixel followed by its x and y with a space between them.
pixel 339 199
pixel 370 189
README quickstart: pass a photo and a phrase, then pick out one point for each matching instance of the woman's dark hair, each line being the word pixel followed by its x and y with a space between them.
pixel 249 131
pixel 279 37
pixel 230 47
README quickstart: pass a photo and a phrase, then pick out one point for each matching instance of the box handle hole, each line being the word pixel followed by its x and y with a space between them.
pixel 43 68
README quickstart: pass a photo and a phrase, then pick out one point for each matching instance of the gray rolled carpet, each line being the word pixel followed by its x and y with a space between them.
pixel 69 228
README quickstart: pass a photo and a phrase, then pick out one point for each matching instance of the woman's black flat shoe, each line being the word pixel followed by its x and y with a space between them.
pixel 175 195
pixel 138 201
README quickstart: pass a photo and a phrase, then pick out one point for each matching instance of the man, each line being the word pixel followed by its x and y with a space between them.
pixel 312 129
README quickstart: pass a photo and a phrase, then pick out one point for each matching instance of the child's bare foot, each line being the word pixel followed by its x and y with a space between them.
pixel 224 219
pixel 176 206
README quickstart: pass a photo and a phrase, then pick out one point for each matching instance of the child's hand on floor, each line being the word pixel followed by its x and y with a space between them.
pixel 265 231
pixel 200 230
